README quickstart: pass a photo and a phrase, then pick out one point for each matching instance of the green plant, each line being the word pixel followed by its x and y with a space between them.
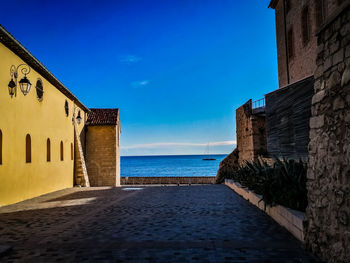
pixel 282 183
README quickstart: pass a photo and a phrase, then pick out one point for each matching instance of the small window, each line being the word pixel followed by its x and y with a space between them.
pixel 287 5
pixel 305 24
pixel 71 151
pixel 28 149
pixel 66 108
pixel 61 151
pixel 290 39
pixel 0 147
pixel 39 89
pixel 320 8
pixel 48 150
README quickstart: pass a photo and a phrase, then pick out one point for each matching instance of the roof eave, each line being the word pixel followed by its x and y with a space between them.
pixel 101 124
pixel 273 4
pixel 10 42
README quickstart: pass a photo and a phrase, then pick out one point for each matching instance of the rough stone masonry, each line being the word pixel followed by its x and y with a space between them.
pixel 328 233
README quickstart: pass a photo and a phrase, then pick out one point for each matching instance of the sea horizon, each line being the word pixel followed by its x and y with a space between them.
pixel 189 165
pixel 156 155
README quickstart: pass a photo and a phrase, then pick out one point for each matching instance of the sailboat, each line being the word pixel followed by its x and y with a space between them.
pixel 207 152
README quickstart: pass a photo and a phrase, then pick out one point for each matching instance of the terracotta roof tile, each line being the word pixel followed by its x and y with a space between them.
pixel 102 117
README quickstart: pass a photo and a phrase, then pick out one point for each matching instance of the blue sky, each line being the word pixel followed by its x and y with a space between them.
pixel 176 69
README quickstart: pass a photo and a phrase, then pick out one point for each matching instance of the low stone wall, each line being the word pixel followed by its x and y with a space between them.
pixel 290 219
pixel 167 180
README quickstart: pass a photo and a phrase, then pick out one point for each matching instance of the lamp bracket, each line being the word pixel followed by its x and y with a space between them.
pixel 24 68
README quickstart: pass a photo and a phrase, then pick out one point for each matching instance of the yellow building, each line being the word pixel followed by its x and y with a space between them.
pixel 39 127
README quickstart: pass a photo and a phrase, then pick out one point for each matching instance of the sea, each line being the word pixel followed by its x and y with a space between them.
pixel 170 165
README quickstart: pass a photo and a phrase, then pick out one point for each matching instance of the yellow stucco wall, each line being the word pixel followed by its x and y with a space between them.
pixel 44 119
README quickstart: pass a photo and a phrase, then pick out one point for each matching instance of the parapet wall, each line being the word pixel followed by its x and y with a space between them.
pixel 328 213
pixel 167 180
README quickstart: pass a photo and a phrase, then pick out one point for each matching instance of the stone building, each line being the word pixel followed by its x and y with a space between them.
pixel 313 41
pixel 42 135
pixel 308 117
pixel 283 116
pixel 102 147
pixel 296 24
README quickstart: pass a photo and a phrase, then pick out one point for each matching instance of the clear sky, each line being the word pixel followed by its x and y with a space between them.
pixel 177 69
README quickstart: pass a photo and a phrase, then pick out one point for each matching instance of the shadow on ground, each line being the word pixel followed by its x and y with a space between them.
pixel 207 223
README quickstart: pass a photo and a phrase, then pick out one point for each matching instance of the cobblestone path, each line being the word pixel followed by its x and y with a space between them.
pixel 207 223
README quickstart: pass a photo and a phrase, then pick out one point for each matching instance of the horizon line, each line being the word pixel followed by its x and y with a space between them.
pixel 174 155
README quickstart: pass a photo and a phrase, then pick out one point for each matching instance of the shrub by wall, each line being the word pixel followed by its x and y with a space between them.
pixel 283 182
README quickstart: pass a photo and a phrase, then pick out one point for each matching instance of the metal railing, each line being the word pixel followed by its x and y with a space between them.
pixel 258 104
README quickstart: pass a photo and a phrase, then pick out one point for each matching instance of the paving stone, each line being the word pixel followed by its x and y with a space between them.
pixel 207 223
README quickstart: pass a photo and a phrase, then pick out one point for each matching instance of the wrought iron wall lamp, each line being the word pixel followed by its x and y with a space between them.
pixel 24 83
pixel 76 117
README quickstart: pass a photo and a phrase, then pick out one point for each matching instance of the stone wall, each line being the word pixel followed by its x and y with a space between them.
pixel 167 180
pixel 250 133
pixel 102 155
pixel 328 231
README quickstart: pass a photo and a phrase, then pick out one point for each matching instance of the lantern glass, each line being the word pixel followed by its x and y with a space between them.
pixel 25 85
pixel 78 118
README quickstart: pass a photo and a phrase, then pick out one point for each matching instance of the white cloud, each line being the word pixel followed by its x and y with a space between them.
pixel 176 144
pixel 130 59
pixel 139 84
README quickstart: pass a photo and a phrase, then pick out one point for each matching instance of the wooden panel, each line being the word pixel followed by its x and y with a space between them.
pixel 288 112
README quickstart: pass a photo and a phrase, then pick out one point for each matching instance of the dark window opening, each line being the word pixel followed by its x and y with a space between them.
pixel 71 151
pixel 39 89
pixel 48 150
pixel 66 108
pixel 290 40
pixel 320 7
pixel 287 5
pixel 61 151
pixel 305 24
pixel 28 149
pixel 0 147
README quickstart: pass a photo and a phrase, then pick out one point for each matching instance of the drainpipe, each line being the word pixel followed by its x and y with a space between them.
pixel 285 40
